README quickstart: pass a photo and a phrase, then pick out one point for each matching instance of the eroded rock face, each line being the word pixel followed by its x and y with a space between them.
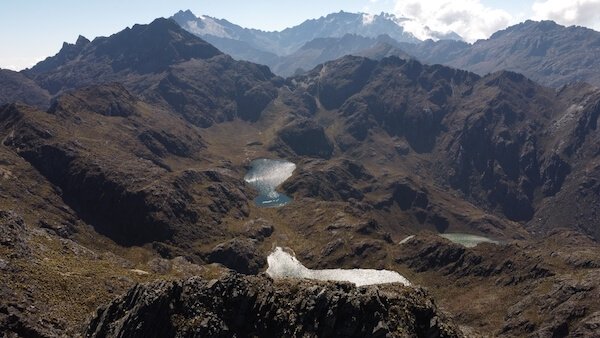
pixel 258 306
pixel 307 138
pixel 565 304
pixel 12 232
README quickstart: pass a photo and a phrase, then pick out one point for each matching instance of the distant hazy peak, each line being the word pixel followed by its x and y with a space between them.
pixel 528 26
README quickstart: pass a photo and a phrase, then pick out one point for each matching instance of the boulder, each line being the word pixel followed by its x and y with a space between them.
pixel 241 255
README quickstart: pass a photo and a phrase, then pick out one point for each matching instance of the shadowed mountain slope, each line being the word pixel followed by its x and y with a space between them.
pixel 15 86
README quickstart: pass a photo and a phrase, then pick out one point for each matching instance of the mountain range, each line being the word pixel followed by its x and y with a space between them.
pixel 123 161
pixel 546 52
pixel 275 49
pixel 290 39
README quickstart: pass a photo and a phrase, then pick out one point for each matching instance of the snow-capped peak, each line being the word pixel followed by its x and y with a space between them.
pixel 201 25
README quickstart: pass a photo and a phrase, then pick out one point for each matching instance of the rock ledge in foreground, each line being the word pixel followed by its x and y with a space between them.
pixel 247 306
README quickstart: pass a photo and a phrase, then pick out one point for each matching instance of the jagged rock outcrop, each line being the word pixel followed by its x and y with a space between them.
pixel 406 194
pixel 142 48
pixel 259 306
pixel 13 233
pixel 566 305
pixel 299 101
pixel 341 79
pixel 67 53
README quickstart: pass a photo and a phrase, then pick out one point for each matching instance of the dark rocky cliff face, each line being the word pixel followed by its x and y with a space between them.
pixel 258 306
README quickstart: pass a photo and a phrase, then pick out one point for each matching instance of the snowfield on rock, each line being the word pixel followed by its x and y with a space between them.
pixel 284 265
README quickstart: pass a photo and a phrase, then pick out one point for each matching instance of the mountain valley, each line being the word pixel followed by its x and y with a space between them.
pixel 124 158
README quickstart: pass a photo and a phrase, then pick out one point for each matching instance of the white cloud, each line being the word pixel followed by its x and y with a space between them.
pixel 468 18
pixel 573 12
pixel 19 63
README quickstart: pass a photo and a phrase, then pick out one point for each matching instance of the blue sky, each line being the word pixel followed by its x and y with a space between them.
pixel 32 30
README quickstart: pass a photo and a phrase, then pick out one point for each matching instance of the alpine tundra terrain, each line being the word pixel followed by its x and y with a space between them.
pixel 132 204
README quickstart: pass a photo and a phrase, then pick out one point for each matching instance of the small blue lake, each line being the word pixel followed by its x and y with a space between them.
pixel 266 175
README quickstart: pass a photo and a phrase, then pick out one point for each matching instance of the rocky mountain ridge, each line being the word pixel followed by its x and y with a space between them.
pixel 290 39
pixel 245 306
pixel 285 51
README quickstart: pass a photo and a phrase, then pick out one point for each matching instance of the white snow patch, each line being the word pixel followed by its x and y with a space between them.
pixel 284 265
pixel 408 238
pixel 211 27
pixel 367 19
